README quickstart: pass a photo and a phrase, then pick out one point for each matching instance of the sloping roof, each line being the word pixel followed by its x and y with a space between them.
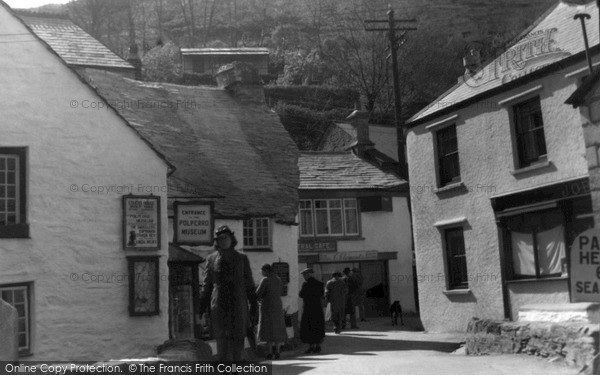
pixel 553 38
pixel 343 171
pixel 225 51
pixel 234 152
pixel 71 42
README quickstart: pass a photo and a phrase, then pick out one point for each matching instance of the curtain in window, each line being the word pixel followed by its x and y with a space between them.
pixel 551 247
pixel 522 252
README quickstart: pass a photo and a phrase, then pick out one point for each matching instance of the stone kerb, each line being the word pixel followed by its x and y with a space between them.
pixel 9 344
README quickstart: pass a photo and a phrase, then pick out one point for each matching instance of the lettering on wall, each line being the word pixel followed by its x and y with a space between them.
pixel 585 267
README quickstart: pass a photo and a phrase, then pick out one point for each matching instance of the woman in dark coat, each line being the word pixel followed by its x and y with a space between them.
pixel 271 324
pixel 312 324
pixel 228 287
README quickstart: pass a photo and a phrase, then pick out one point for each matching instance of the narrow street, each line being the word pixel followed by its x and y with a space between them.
pixel 379 348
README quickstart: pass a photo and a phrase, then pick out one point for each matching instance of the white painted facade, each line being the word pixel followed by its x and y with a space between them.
pixel 74 260
pixel 383 232
pixel 487 157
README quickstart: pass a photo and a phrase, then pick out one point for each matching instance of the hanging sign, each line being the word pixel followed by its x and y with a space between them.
pixel 193 223
pixel 585 267
pixel 141 222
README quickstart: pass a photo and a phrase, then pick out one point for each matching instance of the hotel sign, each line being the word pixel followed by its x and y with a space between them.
pixel 317 247
pixel 349 256
pixel 193 223
pixel 585 267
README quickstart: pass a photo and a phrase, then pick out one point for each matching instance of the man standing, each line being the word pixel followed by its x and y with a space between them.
pixel 360 294
pixel 336 293
pixel 350 306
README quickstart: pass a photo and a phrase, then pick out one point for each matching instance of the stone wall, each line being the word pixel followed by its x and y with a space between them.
pixel 575 343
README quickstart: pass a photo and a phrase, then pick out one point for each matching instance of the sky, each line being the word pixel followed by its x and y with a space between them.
pixel 33 3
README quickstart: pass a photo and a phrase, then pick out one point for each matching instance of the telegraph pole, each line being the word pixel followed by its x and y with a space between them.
pixel 394 44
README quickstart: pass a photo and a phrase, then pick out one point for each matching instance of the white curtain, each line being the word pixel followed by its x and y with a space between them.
pixel 522 251
pixel 551 246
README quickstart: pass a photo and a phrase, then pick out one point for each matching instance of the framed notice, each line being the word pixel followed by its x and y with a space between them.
pixel 193 223
pixel 143 286
pixel 282 270
pixel 141 222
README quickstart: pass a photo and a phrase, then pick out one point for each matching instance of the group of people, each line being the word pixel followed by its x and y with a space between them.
pixel 229 290
pixel 342 293
pixel 230 293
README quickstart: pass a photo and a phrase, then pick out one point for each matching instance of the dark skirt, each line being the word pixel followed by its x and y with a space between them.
pixel 312 324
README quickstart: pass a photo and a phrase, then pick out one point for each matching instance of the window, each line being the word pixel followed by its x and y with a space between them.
pixel 537 244
pixel 329 217
pixel 456 259
pixel 12 193
pixel 257 234
pixel 447 152
pixel 529 129
pixel 18 296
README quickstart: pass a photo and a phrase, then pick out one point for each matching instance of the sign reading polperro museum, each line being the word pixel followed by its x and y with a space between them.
pixel 141 222
pixel 585 267
pixel 193 223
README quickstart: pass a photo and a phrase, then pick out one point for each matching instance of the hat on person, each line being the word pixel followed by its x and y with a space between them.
pixel 307 270
pixel 346 270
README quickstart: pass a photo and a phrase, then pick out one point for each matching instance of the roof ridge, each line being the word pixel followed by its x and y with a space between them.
pixel 42 14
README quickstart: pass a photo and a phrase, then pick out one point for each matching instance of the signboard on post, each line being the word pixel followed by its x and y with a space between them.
pixel 141 222
pixel 193 223
pixel 585 267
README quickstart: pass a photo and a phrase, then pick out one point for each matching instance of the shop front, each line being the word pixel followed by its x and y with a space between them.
pixel 537 228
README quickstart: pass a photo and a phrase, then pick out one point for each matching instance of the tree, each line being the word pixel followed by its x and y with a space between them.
pixel 162 64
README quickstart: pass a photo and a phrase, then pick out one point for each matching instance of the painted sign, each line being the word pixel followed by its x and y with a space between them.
pixel 585 267
pixel 141 222
pixel 349 256
pixel 193 223
pixel 317 247
pixel 282 270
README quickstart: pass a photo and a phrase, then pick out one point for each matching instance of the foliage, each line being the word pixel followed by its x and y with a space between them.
pixel 321 98
pixel 162 63
pixel 195 79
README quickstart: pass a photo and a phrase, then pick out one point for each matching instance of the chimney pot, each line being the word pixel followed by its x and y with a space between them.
pixel 472 62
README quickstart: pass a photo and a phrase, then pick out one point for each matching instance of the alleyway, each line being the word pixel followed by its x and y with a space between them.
pixel 377 348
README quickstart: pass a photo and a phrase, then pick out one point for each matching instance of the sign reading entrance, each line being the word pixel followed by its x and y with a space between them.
pixel 585 267
pixel 345 256
pixel 194 224
pixel 141 222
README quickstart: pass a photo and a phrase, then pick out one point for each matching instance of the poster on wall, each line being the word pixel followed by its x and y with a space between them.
pixel 282 270
pixel 141 222
pixel 193 223
pixel 585 267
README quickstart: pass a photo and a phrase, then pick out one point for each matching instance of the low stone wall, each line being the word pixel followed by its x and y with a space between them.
pixel 575 343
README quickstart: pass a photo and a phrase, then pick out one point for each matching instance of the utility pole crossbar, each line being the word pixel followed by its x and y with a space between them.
pixel 400 131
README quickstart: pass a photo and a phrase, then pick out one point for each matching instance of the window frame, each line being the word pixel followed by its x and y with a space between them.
pixel 518 117
pixel 441 157
pixel 267 247
pixel 26 350
pixel 20 229
pixel 343 210
pixel 449 262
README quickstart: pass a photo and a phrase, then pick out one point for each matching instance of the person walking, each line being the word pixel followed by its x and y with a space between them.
pixel 271 324
pixel 228 289
pixel 360 294
pixel 350 306
pixel 336 293
pixel 312 324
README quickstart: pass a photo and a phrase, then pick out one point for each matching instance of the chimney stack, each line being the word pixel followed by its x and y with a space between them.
pixel 360 121
pixel 242 81
pixel 472 62
pixel 135 60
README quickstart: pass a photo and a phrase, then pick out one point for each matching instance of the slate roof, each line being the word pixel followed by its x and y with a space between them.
pixel 502 73
pixel 71 42
pixel 233 152
pixel 344 171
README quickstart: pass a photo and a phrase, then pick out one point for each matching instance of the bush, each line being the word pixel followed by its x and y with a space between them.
pixel 197 79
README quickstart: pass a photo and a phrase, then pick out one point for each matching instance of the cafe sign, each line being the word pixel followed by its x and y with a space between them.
pixel 141 222
pixel 349 256
pixel 317 247
pixel 193 223
pixel 585 267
